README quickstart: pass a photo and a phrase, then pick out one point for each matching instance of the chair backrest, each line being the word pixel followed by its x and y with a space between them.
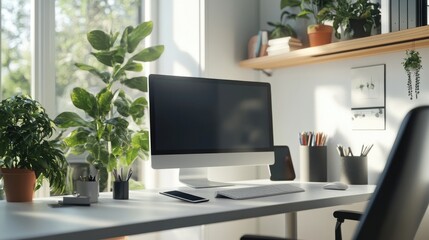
pixel 401 197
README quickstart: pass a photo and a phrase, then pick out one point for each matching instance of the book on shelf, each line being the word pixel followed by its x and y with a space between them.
pixel 283 40
pixel 283 45
pixel 258 44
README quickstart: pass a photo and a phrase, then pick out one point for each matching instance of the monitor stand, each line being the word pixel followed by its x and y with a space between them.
pixel 198 178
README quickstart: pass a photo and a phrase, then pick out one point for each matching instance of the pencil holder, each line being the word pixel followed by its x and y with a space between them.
pixel 313 163
pixel 120 190
pixel 354 170
pixel 89 189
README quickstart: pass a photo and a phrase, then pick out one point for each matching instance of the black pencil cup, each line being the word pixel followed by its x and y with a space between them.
pixel 354 170
pixel 120 190
pixel 313 163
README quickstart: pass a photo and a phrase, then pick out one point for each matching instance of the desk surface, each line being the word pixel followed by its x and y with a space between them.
pixel 148 211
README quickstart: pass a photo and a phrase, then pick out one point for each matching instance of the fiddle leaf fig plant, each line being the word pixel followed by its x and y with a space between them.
pixel 412 66
pixel 25 132
pixel 112 134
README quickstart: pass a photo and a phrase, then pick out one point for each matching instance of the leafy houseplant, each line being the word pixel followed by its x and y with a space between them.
pixel 25 129
pixel 282 28
pixel 318 33
pixel 112 136
pixel 356 18
pixel 412 65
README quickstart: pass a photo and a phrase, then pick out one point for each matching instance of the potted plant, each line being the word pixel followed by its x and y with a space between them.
pixel 112 134
pixel 412 66
pixel 282 28
pixel 356 19
pixel 27 155
pixel 318 32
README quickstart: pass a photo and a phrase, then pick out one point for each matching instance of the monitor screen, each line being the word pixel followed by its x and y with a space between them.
pixel 202 122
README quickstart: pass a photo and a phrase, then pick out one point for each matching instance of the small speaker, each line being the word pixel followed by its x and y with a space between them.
pixel 282 169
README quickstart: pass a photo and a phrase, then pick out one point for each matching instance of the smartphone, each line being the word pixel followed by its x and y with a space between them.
pixel 184 196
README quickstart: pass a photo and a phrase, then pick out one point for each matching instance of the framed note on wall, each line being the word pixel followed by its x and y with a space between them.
pixel 368 97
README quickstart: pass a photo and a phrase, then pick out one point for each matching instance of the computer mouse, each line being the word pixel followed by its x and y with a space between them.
pixel 336 186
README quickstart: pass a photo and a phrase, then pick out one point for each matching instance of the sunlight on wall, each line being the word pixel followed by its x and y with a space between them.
pixel 182 37
pixel 329 109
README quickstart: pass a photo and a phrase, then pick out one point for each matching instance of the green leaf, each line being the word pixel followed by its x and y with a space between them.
pixel 70 119
pixel 119 56
pixel 104 98
pixel 141 140
pixel 99 40
pixel 118 122
pixel 77 137
pixel 122 105
pixel 105 58
pixel 85 101
pixel 149 54
pixel 124 38
pixel 138 108
pixel 118 72
pixel 113 38
pixel 131 155
pixel 139 83
pixel 104 76
pixel 139 33
pixel 289 3
pixel 132 66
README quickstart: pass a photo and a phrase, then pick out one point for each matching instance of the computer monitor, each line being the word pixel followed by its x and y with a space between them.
pixel 197 123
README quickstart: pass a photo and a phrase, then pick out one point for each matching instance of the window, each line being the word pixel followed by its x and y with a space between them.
pixel 15 48
pixel 21 20
pixel 74 19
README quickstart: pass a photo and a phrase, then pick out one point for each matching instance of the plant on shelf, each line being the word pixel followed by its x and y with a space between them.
pixel 354 18
pixel 412 66
pixel 26 149
pixel 113 135
pixel 282 28
pixel 318 32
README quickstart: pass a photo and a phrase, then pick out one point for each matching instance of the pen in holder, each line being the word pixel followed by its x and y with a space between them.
pixel 313 163
pixel 120 190
pixel 88 186
pixel 354 170
pixel 121 184
pixel 313 156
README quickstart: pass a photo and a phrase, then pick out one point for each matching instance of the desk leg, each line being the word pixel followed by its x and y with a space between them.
pixel 291 225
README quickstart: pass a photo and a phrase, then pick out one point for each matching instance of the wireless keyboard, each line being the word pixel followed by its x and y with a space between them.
pixel 258 191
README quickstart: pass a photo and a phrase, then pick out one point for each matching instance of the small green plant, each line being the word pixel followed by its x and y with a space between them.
pixel 344 13
pixel 282 28
pixel 113 135
pixel 25 129
pixel 308 9
pixel 412 65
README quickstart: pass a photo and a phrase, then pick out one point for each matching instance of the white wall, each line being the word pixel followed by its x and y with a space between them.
pixel 317 97
pixel 208 38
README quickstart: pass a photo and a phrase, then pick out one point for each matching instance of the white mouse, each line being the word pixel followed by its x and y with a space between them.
pixel 336 186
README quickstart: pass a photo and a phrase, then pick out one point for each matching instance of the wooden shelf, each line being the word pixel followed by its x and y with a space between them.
pixel 373 45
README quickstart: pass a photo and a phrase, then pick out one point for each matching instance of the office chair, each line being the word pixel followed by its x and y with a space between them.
pixel 401 197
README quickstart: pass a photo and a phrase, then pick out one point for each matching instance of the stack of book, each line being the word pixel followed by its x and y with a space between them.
pixel 283 45
pixel 258 45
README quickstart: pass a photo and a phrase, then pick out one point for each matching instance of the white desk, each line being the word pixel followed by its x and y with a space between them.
pixel 147 211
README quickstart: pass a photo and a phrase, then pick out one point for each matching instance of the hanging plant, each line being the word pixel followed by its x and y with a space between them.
pixel 412 65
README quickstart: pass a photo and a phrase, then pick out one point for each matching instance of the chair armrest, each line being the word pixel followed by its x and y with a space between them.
pixel 341 215
pixel 258 237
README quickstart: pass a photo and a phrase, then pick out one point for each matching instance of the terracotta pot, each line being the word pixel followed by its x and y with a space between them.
pixel 319 34
pixel 19 184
